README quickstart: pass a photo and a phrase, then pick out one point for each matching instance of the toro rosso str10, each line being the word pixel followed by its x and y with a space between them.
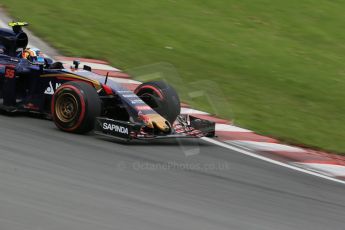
pixel 79 100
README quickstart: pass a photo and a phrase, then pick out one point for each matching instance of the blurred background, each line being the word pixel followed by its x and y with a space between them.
pixel 277 66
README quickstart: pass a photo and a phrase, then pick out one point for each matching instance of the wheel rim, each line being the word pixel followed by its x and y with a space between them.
pixel 66 107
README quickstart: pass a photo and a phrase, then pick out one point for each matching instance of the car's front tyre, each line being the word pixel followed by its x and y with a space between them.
pixel 161 97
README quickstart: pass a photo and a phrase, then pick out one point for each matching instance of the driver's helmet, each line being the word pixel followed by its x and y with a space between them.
pixel 33 55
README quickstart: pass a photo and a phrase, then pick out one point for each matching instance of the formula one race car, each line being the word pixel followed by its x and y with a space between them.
pixel 79 100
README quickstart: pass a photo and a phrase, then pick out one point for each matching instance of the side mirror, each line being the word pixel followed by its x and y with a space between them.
pixel 87 68
pixel 76 64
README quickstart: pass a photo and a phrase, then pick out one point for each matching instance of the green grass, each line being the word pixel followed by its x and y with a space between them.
pixel 279 64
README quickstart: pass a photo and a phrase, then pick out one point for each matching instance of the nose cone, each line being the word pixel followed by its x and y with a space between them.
pixel 157 121
pixel 162 126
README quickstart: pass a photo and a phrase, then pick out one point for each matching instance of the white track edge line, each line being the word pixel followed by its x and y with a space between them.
pixel 251 154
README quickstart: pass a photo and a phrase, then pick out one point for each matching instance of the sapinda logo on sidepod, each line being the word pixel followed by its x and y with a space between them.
pixel 116 128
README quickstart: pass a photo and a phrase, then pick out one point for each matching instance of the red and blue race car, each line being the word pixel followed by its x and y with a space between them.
pixel 79 100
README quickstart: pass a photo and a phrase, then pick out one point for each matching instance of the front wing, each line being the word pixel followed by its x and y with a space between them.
pixel 185 126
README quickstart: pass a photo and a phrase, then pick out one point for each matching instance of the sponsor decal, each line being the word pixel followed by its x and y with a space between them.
pixel 9 72
pixel 125 91
pixel 130 96
pixel 14 59
pixel 143 107
pixel 138 101
pixel 115 128
pixel 50 90
pixel 31 106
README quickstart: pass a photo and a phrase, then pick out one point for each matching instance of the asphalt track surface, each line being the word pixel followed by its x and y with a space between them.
pixel 55 180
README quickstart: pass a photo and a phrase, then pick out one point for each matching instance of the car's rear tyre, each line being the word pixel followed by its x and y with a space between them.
pixel 75 106
pixel 161 97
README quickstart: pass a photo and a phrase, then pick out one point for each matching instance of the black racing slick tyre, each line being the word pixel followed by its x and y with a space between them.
pixel 161 97
pixel 75 106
